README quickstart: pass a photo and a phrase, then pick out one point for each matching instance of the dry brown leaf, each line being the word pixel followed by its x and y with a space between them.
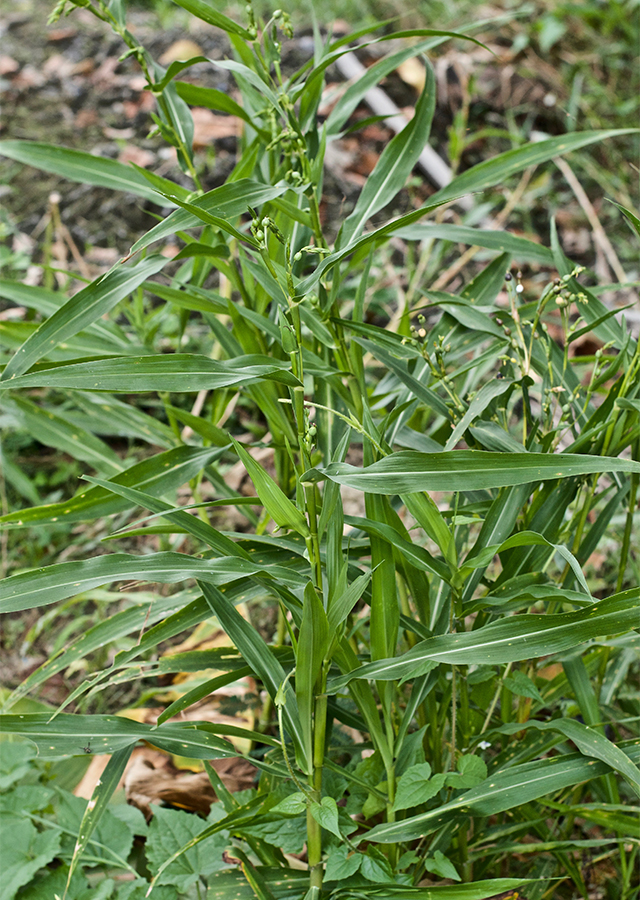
pixel 137 155
pixel 181 50
pixel 413 73
pixel 28 77
pixel 84 118
pixel 208 126
pixel 58 66
pixel 144 104
pixel 89 780
pixel 146 784
pixel 118 134
pixel 62 34
pixel 8 65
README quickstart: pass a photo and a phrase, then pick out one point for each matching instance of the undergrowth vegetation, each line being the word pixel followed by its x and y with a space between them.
pixel 445 709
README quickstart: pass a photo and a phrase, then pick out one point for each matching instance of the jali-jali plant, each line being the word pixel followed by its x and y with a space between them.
pixel 444 705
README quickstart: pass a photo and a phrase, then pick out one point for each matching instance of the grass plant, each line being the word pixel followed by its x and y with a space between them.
pixel 447 712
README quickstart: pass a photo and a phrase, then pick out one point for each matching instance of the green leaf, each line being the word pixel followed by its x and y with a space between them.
pixel 326 814
pixel 483 398
pixel 471 771
pixel 293 805
pixel 631 217
pixel 75 165
pixel 478 890
pixel 496 170
pixel 376 868
pixel 219 542
pixel 416 786
pixel 257 655
pixel 508 640
pixel 591 743
pixel 41 587
pixel 372 77
pixel 395 163
pixel 169 831
pixel 89 304
pixel 212 17
pixel 102 793
pixel 520 248
pixel 504 790
pixel 438 864
pixel 54 429
pixel 221 224
pixel 341 606
pixel 152 609
pixel 15 762
pixel 227 201
pixel 158 475
pixel 68 735
pixel 341 863
pixel 177 372
pixel 27 851
pixel 408 471
pixel 609 816
pixel 524 539
pixel 47 302
pixel 283 512
pixel 521 685
pixel 195 95
pixel 313 643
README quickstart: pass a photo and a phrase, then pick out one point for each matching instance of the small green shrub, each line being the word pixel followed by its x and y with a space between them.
pixel 444 691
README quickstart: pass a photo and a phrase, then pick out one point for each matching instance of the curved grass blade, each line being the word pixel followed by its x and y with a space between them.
pixel 395 163
pixel 89 304
pixel 55 430
pixel 119 625
pixel 590 743
pixel 158 475
pixel 228 200
pixel 47 302
pixel 68 735
pixel 491 889
pixel 201 691
pixel 191 524
pixel 42 587
pixel 507 640
pixel 75 165
pixel 501 241
pixel 408 471
pixel 283 512
pixel 104 790
pixel 501 791
pixel 196 95
pixel 212 17
pixel 174 372
pixel 494 171
pixel 257 655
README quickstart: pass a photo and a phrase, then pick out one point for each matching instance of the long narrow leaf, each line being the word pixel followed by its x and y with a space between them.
pixel 85 168
pixel 177 372
pixel 464 470
pixel 395 164
pixel 158 475
pixel 507 640
pixel 69 735
pixel 501 791
pixel 44 586
pixel 89 304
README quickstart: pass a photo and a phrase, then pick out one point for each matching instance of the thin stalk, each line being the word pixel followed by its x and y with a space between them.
pixel 314 832
pixel 494 701
pixel 454 724
pixel 628 525
pixel 463 847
